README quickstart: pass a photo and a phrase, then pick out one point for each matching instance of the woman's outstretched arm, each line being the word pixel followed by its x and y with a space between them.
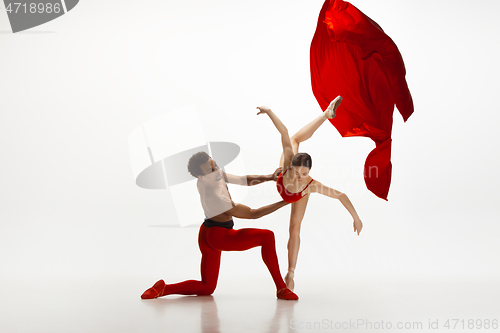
pixel 317 187
pixel 285 138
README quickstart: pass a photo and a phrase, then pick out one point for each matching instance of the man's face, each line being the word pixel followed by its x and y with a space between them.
pixel 208 167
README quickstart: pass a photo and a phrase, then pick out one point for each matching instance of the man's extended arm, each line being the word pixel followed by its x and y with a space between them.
pixel 245 212
pixel 251 180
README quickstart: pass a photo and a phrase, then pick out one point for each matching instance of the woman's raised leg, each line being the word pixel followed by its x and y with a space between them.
pixel 308 130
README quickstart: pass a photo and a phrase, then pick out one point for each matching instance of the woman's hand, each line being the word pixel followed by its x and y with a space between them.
pixel 263 109
pixel 358 225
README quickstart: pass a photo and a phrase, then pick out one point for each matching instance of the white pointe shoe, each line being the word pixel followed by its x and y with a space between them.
pixel 330 110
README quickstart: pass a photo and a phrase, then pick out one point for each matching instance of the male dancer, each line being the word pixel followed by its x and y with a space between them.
pixel 217 233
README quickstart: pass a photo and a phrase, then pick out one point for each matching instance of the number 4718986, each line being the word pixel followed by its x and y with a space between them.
pixel 471 324
pixel 33 8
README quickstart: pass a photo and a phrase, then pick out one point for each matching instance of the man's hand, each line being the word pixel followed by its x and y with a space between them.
pixel 358 225
pixel 276 173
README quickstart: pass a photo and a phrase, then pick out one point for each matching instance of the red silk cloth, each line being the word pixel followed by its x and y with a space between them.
pixel 351 56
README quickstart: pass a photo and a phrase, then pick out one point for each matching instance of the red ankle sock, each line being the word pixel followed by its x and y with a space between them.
pixel 155 291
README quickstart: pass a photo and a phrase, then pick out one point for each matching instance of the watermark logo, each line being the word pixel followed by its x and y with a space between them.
pixel 31 13
pixel 159 153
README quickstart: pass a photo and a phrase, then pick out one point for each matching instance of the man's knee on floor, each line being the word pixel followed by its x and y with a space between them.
pixel 209 290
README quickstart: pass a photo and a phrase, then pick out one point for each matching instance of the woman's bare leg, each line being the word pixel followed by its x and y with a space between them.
pixel 307 131
pixel 304 133
pixel 299 207
pixel 296 216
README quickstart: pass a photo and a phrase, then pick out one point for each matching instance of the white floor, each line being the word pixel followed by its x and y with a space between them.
pixel 107 305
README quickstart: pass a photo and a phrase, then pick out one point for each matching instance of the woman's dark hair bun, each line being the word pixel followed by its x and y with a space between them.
pixel 302 159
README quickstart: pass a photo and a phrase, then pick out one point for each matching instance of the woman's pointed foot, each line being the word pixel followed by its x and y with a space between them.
pixel 155 291
pixel 287 294
pixel 332 108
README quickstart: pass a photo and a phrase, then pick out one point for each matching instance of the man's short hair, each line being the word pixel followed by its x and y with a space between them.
pixel 195 162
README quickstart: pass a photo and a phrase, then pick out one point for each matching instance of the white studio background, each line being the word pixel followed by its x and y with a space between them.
pixel 73 89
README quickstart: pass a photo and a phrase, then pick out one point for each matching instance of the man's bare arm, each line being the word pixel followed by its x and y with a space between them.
pixel 250 180
pixel 245 212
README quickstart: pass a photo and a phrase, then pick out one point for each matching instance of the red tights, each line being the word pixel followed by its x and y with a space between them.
pixel 216 239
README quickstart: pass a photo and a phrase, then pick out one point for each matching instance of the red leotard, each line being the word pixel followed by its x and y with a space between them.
pixel 289 196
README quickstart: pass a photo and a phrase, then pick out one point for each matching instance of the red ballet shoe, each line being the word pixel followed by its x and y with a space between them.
pixel 155 291
pixel 287 294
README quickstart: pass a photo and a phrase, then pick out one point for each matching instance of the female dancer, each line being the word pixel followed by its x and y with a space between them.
pixel 294 183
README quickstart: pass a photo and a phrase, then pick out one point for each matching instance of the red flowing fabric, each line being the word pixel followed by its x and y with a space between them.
pixel 351 56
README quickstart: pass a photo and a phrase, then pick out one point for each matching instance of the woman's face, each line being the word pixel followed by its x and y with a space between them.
pixel 300 173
